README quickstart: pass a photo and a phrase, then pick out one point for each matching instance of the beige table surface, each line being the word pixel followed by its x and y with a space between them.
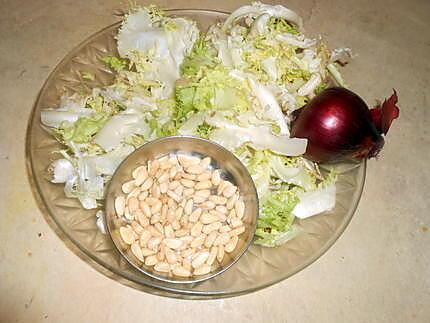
pixel 378 271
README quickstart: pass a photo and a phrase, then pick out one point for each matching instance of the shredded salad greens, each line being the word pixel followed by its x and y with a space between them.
pixel 236 84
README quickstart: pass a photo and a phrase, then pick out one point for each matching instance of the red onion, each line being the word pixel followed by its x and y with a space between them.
pixel 340 126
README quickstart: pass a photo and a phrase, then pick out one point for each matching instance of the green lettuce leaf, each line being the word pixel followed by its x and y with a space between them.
pixel 276 219
pixel 115 63
pixel 281 25
pixel 216 90
pixel 202 56
pixel 204 130
pixel 84 128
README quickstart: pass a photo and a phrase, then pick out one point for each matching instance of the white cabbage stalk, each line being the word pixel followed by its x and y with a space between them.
pixel 270 67
pixel 270 106
pixel 259 26
pixel 107 163
pixel 181 40
pixel 232 136
pixel 220 42
pixel 69 110
pixel 62 171
pixel 86 185
pixel 312 60
pixel 236 57
pixel 54 118
pixel 309 87
pixel 189 127
pixel 283 171
pixel 285 98
pixel 118 128
pixel 262 182
pixel 138 104
pixel 336 74
pixel 296 175
pixel 258 8
pixel 297 41
pixel 137 33
pixel 249 118
pixel 168 47
pixel 315 202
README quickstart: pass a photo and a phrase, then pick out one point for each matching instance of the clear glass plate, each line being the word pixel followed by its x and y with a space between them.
pixel 258 268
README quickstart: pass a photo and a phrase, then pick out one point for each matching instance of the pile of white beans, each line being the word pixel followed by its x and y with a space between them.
pixel 183 217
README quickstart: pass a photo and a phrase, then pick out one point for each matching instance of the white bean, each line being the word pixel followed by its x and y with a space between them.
pixel 205 162
pixel 162 267
pixel 198 241
pixel 239 207
pixel 195 215
pixel 187 183
pixel 220 254
pixel 207 175
pixel 181 271
pixel 231 245
pixel 142 175
pixel 210 239
pixel 219 200
pixel 229 191
pixel 216 177
pixel 120 205
pixel 173 243
pixel 147 184
pixel 127 234
pixel 195 169
pixel 199 259
pixel 203 185
pixel 212 255
pixel 196 229
pixel 202 270
pixel 137 251
pixel 151 260
pixel 127 187
pixel 138 171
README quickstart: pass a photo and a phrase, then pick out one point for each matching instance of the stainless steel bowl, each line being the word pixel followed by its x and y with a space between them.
pixel 231 168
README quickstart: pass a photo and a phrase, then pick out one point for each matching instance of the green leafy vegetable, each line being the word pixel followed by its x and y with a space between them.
pixel 216 90
pixel 115 63
pixel 202 56
pixel 280 25
pixel 321 87
pixel 162 130
pixel 276 219
pixel 135 140
pixel 84 128
pixel 204 130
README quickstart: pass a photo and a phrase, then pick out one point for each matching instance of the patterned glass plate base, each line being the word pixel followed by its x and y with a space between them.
pixel 258 268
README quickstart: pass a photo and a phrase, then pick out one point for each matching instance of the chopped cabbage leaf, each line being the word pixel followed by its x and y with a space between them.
pixel 107 163
pixel 115 63
pixel 62 170
pixel 202 56
pixel 118 128
pixel 232 136
pixel 205 130
pixel 84 128
pixel 315 202
pixel 216 90
pixel 276 218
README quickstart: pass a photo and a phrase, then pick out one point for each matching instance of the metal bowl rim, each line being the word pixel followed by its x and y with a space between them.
pixel 248 179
